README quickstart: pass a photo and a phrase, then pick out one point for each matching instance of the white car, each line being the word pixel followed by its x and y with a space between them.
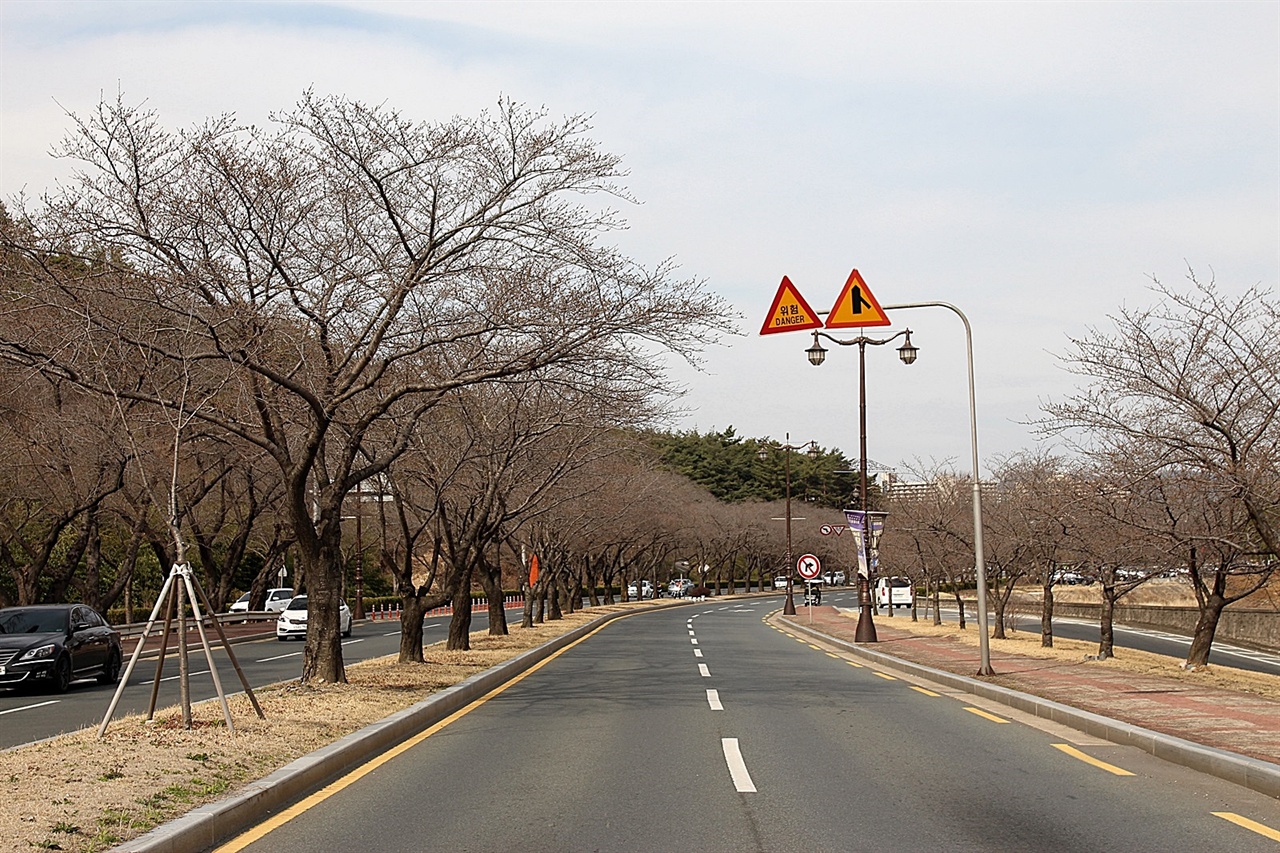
pixel 293 619
pixel 646 589
pixel 835 578
pixel 679 587
pixel 277 599
pixel 780 582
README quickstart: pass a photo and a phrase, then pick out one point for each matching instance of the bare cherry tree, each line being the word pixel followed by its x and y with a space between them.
pixel 1189 387
pixel 343 269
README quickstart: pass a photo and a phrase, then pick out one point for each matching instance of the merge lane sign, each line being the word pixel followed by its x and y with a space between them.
pixel 789 312
pixel 856 306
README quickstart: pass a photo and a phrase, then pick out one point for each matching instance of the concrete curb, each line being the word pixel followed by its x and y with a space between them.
pixel 1252 773
pixel 206 826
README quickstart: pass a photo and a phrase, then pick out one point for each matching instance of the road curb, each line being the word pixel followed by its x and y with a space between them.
pixel 214 823
pixel 1252 773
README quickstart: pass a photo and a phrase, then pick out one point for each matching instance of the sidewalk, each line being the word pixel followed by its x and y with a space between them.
pixel 1243 723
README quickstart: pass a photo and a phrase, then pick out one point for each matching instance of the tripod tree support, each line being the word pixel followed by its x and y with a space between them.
pixel 170 600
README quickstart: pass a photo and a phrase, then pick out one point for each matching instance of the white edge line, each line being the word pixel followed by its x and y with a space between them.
pixel 30 707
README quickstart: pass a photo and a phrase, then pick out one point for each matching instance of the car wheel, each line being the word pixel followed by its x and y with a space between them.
pixel 347 633
pixel 111 672
pixel 62 674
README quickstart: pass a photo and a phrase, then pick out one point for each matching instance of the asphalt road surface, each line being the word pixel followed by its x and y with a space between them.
pixel 702 728
pixel 27 716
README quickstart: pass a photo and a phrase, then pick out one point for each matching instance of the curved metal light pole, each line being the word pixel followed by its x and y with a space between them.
pixel 979 557
pixel 866 630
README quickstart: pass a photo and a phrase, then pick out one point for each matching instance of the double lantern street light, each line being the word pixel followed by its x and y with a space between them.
pixel 817 354
pixel 812 450
pixel 866 630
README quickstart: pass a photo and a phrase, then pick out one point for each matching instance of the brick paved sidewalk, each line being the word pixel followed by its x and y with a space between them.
pixel 1238 722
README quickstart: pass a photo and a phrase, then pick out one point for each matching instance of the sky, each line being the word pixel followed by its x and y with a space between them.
pixel 1034 164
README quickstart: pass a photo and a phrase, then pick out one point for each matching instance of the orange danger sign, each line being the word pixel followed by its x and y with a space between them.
pixel 790 313
pixel 856 306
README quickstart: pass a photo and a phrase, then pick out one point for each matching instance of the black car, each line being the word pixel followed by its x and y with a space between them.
pixel 54 644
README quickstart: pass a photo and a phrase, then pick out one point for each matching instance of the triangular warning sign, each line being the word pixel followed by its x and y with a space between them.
pixel 856 307
pixel 789 313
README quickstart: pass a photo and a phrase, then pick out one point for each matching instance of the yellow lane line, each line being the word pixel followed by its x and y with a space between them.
pixel 851 663
pixel 925 692
pixel 981 713
pixel 1089 759
pixel 885 677
pixel 831 655
pixel 816 648
pixel 261 830
pixel 1260 828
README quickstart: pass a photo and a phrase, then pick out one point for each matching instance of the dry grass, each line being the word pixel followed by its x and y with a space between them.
pixel 1073 651
pixel 77 793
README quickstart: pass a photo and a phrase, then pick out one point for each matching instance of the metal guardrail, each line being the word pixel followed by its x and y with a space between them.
pixel 135 629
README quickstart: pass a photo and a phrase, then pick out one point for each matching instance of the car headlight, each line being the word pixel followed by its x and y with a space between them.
pixel 40 652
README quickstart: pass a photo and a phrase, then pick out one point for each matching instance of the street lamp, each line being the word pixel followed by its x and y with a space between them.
pixel 866 630
pixel 979 557
pixel 763 454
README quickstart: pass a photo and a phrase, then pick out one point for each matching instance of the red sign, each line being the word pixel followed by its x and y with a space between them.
pixel 808 567
pixel 789 313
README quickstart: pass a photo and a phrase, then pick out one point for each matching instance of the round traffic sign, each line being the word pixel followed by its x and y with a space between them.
pixel 808 567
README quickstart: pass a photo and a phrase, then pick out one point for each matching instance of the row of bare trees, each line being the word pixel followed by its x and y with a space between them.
pixel 1176 440
pixel 317 301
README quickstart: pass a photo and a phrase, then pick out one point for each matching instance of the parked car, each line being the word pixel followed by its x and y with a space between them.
pixel 55 644
pixel 646 590
pixel 277 599
pixel 780 582
pixel 894 592
pixel 836 578
pixel 293 619
pixel 679 587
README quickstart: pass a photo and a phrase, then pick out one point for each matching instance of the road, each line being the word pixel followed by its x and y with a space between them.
pixel 703 728
pixel 27 716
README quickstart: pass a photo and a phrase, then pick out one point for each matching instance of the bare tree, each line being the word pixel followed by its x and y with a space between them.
pixel 1190 387
pixel 343 270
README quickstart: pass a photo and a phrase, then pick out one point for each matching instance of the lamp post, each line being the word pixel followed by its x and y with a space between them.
pixel 762 454
pixel 866 630
pixel 979 556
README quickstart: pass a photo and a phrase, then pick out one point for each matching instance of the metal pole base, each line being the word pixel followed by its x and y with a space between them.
pixel 866 631
pixel 790 608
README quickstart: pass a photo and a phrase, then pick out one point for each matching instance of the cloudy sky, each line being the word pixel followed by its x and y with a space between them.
pixel 1036 164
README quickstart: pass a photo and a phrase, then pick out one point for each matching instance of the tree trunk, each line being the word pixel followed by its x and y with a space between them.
pixel 1001 600
pixel 1046 615
pixel 1106 647
pixel 412 614
pixel 530 598
pixel 460 624
pixel 322 659
pixel 492 582
pixel 960 606
pixel 553 600
pixel 937 602
pixel 1206 627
